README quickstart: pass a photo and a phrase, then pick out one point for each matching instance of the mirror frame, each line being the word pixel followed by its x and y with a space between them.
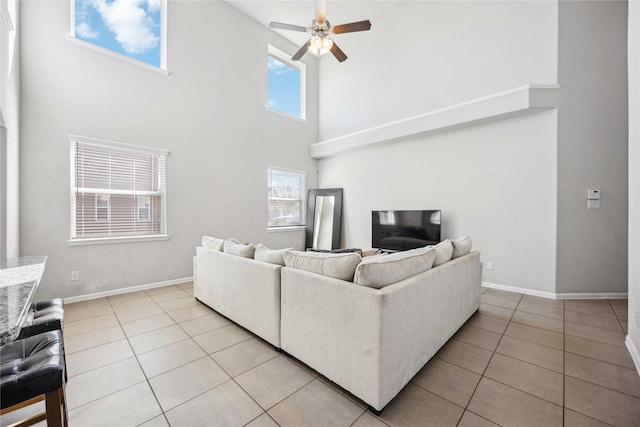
pixel 337 215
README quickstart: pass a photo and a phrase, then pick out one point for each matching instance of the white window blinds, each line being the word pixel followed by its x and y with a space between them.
pixel 287 190
pixel 117 190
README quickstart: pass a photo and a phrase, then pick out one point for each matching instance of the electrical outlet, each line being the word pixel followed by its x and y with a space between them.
pixel 75 275
pixel 489 265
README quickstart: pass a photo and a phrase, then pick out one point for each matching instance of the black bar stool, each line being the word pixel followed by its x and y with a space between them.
pixel 44 316
pixel 32 369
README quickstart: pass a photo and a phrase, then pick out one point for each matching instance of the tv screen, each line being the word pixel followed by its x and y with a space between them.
pixel 403 230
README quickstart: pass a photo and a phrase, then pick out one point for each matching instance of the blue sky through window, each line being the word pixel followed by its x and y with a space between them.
pixel 129 27
pixel 284 87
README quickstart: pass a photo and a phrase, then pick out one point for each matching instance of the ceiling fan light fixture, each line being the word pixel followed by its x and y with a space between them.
pixel 320 45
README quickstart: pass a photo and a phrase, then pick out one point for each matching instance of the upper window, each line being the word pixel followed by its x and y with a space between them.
pixel 134 28
pixel 287 190
pixel 117 191
pixel 286 84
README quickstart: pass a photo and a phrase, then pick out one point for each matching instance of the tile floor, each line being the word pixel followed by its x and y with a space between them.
pixel 159 357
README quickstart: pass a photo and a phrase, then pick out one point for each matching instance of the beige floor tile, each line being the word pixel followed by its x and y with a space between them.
pixel 186 285
pixel 489 323
pixel 273 381
pixel 80 342
pixel 593 320
pixel 600 351
pixel 495 311
pixel 147 324
pixel 595 334
pixel 601 403
pixel 186 382
pixel 100 382
pixel 507 406
pixel 622 313
pixel 538 321
pixel 117 409
pixel 86 313
pixel 243 356
pixel 469 419
pixel 206 323
pixel 168 296
pixel 128 296
pixel 159 421
pixel 526 377
pixel 190 292
pixel 132 304
pixel 536 335
pixel 315 405
pixel 163 359
pixel 448 381
pixel 361 403
pixel 97 357
pixel 488 298
pixel 224 405
pixel 625 327
pixel 162 290
pixel 221 338
pixel 619 302
pixel 575 419
pixel 174 304
pixel 504 294
pixel 69 307
pixel 540 355
pixel 541 310
pixel 465 355
pixel 156 339
pixel 615 377
pixel 139 313
pixel 263 420
pixel 531 299
pixel 369 420
pixel 190 312
pixel 597 307
pixel 479 337
pixel 414 405
pixel 88 325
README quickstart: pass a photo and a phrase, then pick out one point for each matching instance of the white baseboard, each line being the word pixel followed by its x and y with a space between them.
pixel 634 352
pixel 127 290
pixel 552 295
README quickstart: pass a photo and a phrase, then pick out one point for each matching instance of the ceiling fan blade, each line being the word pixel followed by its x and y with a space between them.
pixel 321 11
pixel 352 27
pixel 300 53
pixel 281 26
pixel 338 53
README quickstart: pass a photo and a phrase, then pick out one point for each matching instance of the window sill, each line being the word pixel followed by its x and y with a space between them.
pixel 107 240
pixel 289 228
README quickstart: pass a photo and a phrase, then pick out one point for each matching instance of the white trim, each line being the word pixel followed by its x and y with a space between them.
pixel 290 228
pixel 633 351
pixel 525 99
pixel 130 289
pixel 302 67
pixel 552 295
pixel 103 142
pixel 119 239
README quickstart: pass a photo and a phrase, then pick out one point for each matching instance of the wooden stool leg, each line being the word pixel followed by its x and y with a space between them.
pixel 65 417
pixel 54 406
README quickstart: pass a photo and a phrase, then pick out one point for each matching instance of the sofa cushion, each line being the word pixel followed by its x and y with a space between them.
pixel 380 271
pixel 212 243
pixel 272 256
pixel 461 246
pixel 444 250
pixel 339 266
pixel 234 248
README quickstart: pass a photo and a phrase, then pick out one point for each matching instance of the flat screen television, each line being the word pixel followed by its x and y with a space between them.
pixel 403 230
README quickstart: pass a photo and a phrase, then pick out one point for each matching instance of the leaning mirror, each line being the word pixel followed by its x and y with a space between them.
pixel 324 218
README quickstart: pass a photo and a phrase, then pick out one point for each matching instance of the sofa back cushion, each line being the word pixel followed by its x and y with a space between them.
pixel 234 248
pixel 461 246
pixel 444 251
pixel 380 271
pixel 339 266
pixel 272 256
pixel 209 242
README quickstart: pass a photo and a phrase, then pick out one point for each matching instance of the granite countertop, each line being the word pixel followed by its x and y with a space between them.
pixel 19 279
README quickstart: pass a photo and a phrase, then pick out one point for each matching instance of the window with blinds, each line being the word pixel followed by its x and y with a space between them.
pixel 118 191
pixel 287 190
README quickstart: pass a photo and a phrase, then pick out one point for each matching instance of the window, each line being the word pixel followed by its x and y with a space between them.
pixel 286 84
pixel 118 192
pixel 287 190
pixel 133 28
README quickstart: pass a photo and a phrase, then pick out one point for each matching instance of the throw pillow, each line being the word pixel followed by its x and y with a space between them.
pixel 444 250
pixel 272 256
pixel 461 246
pixel 233 248
pixel 212 243
pixel 338 266
pixel 380 271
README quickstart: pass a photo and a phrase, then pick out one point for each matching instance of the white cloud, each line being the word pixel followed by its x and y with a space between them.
pixel 129 21
pixel 85 31
pixel 271 103
pixel 154 5
pixel 278 67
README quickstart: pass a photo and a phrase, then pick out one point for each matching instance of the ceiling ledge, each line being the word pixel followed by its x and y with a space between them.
pixel 521 100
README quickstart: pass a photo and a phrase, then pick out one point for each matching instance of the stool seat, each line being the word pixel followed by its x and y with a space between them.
pixel 31 367
pixel 43 316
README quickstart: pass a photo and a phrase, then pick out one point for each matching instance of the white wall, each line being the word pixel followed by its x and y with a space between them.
pixel 209 113
pixel 634 176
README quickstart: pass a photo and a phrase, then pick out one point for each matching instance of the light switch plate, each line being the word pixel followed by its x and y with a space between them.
pixel 593 194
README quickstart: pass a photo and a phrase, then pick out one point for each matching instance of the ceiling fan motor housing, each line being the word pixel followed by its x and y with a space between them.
pixel 321 30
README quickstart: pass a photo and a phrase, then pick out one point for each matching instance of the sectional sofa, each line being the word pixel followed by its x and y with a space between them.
pixel 368 325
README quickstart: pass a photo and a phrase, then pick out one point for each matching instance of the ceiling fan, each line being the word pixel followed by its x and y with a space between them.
pixel 320 30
